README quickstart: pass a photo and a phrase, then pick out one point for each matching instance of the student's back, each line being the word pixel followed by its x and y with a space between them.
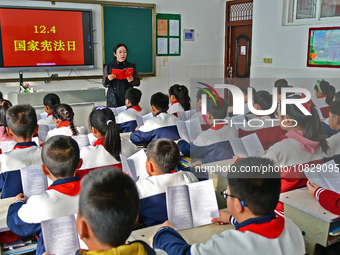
pixel 324 93
pixel 50 100
pixel 179 99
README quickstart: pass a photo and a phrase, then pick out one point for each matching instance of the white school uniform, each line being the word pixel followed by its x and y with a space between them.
pixel 175 107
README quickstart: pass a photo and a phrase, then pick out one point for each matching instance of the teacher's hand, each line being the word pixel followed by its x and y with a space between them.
pixel 130 79
pixel 111 77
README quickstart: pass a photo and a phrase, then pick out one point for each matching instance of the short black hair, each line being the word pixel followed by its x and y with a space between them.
pixel 245 90
pixel 134 95
pixel 60 154
pixel 165 153
pixel 51 100
pixel 217 110
pixel 259 190
pixel 160 101
pixel 337 95
pixel 109 203
pixel 281 83
pixel 22 120
pixel 334 107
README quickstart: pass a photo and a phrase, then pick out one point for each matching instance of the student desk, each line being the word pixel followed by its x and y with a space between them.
pixel 313 220
pixel 193 235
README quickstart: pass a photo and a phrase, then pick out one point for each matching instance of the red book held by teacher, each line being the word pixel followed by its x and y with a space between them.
pixel 123 74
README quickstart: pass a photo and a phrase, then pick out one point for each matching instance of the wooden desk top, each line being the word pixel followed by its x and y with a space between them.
pixel 300 199
pixel 193 235
pixel 4 204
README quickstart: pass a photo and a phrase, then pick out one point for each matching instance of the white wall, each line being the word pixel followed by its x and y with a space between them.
pixel 287 46
pixel 202 58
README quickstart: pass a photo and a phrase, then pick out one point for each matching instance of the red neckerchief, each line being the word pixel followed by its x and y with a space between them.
pixel 175 102
pixel 100 141
pixel 24 145
pixel 49 114
pixel 68 188
pixel 284 137
pixel 135 107
pixel 271 229
pixel 64 123
pixel 173 171
pixel 217 126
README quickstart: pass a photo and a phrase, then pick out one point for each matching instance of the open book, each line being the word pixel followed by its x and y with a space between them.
pixel 7 146
pixel 189 129
pixel 141 119
pixel 123 74
pixel 135 165
pixel 84 140
pixel 43 130
pixel 61 236
pixel 186 115
pixel 191 205
pixel 247 146
pixel 41 115
pixel 117 110
pixel 325 175
pixel 34 182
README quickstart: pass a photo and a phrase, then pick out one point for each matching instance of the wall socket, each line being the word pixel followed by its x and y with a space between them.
pixel 267 60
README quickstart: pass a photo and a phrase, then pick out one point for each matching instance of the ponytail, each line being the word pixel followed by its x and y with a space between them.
pixel 326 89
pixel 65 112
pixel 310 123
pixel 102 119
pixel 181 93
pixel 5 104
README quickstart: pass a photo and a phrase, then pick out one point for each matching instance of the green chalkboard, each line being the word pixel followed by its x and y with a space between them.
pixel 133 26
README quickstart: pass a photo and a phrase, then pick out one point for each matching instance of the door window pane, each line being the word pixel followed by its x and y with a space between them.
pixel 305 9
pixel 330 8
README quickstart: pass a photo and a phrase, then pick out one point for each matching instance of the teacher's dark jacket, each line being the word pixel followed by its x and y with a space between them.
pixel 117 88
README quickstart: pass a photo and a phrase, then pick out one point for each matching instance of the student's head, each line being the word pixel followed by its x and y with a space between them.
pixel 1 96
pixel 258 191
pixel 263 100
pixel 334 115
pixel 132 97
pixel 162 156
pixel 103 124
pixel 245 93
pixel 51 100
pixel 215 110
pixel 310 124
pixel 60 156
pixel 180 93
pixel 159 102
pixel 4 106
pixel 120 52
pixel 336 96
pixel 200 92
pixel 279 84
pixel 64 112
pixel 324 88
pixel 108 208
pixel 21 120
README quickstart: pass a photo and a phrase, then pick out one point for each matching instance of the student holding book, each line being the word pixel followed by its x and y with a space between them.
pixel 324 93
pixel 117 87
pixel 126 120
pixel 179 99
pixel 4 106
pixel 50 100
pixel 63 116
pixel 106 150
pixel 21 123
pixel 60 156
pixel 162 125
pixel 212 144
pixel 162 159
pixel 251 199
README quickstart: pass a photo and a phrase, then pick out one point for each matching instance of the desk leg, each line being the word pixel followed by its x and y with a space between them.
pixel 314 230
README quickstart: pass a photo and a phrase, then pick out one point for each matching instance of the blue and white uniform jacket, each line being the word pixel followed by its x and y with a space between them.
pixel 126 121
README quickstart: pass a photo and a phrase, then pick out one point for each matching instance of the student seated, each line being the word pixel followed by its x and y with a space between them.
pixel 162 125
pixel 251 199
pixel 324 93
pixel 63 118
pixel 162 159
pixel 106 150
pixel 179 99
pixel 202 117
pixel 126 121
pixel 50 100
pixel 21 122
pixel 246 99
pixel 212 144
pixel 326 129
pixel 108 210
pixel 4 106
pixel 60 156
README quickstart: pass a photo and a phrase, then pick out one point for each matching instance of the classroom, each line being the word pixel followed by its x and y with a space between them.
pixel 241 43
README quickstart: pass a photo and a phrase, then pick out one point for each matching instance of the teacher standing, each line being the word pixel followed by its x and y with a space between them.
pixel 116 87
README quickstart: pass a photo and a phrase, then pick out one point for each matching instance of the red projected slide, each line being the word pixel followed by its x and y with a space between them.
pixel 41 37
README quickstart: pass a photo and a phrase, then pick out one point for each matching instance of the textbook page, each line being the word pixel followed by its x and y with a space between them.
pixel 34 182
pixel 181 115
pixel 238 147
pixel 137 163
pixel 126 167
pixel 43 130
pixel 253 145
pixel 190 113
pixel 178 207
pixel 7 146
pixel 82 140
pixel 92 138
pixel 60 235
pixel 183 131
pixel 117 110
pixel 325 175
pixel 141 119
pixel 203 202
pixel 194 128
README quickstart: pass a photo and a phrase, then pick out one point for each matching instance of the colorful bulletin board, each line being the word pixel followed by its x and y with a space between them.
pixel 324 47
pixel 168 34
